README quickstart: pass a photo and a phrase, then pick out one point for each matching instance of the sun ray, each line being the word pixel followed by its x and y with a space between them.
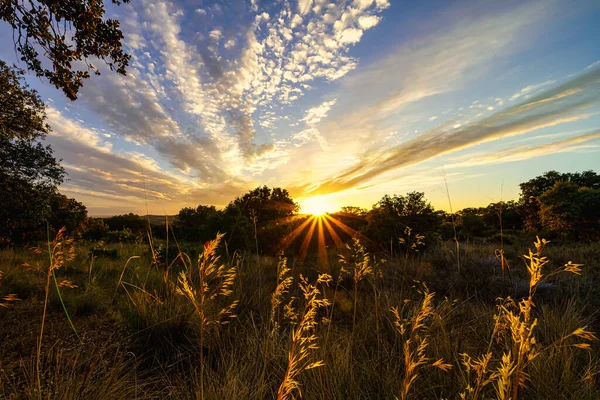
pixel 307 239
pixel 321 241
pixel 286 241
pixel 346 228
pixel 336 238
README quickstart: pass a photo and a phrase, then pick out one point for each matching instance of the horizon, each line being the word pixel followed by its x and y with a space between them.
pixel 339 103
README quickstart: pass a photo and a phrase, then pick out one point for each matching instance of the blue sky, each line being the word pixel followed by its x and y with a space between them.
pixel 344 101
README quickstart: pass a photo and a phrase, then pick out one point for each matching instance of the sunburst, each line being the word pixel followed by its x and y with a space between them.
pixel 326 227
pixel 317 206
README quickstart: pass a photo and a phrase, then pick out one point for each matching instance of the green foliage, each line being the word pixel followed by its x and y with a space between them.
pixel 67 31
pixel 265 204
pixel 487 221
pixel 123 236
pixel 529 204
pixel 66 212
pixel 29 174
pixel 571 210
pixel 199 224
pixel 23 113
pixel 390 216
pixel 94 229
pixel 354 217
pixel 132 222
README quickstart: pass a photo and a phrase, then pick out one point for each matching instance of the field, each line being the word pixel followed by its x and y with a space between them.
pixel 132 323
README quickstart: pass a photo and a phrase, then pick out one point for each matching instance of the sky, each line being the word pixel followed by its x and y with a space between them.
pixel 340 102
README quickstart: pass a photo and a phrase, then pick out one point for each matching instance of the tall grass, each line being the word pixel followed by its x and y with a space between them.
pixel 304 339
pixel 205 331
pixel 214 281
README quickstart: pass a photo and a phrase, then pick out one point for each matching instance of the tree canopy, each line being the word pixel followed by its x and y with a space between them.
pixel 65 32
pixel 266 204
pixel 391 215
pixel 23 113
pixel 29 172
pixel 534 188
pixel 571 210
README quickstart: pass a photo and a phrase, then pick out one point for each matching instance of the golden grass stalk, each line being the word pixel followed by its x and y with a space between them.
pixel 303 337
pixel 416 342
pixel 359 265
pixel 412 242
pixel 123 273
pixel 60 251
pixel 515 325
pixel 215 280
pixel 284 282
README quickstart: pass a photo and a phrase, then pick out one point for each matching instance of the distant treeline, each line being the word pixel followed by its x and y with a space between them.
pixel 565 205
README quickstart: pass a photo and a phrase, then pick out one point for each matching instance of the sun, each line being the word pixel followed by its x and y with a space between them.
pixel 316 206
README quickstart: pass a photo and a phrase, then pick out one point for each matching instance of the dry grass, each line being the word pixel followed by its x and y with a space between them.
pixel 366 335
pixel 304 339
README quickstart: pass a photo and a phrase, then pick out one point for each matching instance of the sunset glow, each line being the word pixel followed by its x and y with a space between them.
pixel 349 99
pixel 316 206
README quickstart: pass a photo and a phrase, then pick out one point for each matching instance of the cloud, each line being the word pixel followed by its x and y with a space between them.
pixel 216 34
pixel 304 6
pixel 368 22
pixel 107 179
pixel 350 35
pixel 202 101
pixel 315 114
pixel 560 105
pixel 436 63
pixel 525 152
pixel 530 89
pixel 311 119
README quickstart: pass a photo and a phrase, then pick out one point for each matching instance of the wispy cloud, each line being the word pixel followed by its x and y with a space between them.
pixel 102 176
pixel 438 62
pixel 564 104
pixel 527 90
pixel 525 152
pixel 220 96
pixel 200 99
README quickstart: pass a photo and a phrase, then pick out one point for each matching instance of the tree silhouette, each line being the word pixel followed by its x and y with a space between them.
pixel 66 32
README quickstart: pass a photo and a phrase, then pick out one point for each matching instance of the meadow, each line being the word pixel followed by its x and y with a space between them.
pixel 85 320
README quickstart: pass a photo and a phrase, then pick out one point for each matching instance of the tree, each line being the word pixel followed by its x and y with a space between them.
pixel 199 224
pixel 471 221
pixel 66 31
pixel 571 210
pixel 529 206
pixel 131 221
pixel 354 217
pixel 66 212
pixel 29 175
pixel 22 112
pixel 505 211
pixel 260 218
pixel 390 216
pixel 353 211
pixel 94 229
pixel 266 204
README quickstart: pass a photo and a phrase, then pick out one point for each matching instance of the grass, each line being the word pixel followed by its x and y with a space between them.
pixel 410 327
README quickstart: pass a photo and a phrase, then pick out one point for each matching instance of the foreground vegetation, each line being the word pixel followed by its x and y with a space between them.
pixel 120 322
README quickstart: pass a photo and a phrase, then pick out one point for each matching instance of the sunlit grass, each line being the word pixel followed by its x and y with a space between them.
pixel 373 332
